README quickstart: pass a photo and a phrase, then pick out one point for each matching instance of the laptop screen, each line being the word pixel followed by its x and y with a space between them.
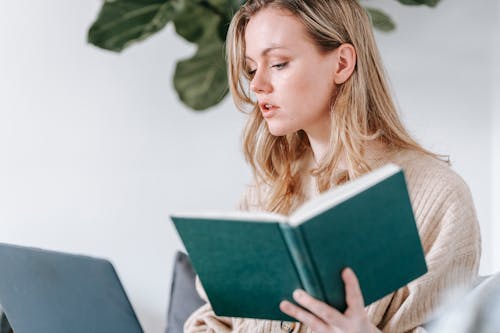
pixel 53 292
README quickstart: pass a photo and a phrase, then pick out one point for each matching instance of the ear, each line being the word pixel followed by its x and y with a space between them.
pixel 345 56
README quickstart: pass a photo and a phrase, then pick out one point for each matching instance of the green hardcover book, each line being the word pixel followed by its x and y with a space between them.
pixel 249 262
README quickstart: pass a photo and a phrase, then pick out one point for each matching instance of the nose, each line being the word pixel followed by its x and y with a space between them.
pixel 260 83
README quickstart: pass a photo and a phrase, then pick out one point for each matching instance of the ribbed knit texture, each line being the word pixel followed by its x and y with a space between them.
pixel 450 236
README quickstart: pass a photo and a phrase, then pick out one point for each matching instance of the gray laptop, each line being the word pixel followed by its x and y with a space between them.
pixel 51 292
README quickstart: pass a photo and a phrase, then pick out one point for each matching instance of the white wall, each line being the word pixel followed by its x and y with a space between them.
pixel 439 61
pixel 495 152
pixel 96 149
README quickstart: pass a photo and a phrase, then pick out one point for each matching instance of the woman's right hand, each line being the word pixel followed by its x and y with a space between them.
pixel 323 318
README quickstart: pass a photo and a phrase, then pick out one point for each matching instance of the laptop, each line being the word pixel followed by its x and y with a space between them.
pixel 52 292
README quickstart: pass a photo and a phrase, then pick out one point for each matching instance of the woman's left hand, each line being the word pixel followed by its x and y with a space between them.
pixel 323 318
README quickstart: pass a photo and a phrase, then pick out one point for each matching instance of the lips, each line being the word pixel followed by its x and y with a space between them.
pixel 268 109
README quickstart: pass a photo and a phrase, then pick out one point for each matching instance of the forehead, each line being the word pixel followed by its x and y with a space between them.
pixel 274 28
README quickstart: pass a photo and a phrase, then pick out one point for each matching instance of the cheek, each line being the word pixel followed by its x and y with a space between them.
pixel 308 88
pixel 317 91
pixel 297 87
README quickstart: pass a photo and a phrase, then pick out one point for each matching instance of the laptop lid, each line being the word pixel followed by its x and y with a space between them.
pixel 52 292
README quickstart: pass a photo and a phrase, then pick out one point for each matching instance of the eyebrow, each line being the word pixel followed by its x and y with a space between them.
pixel 267 50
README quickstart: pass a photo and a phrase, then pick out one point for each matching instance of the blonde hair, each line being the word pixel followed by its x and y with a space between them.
pixel 363 109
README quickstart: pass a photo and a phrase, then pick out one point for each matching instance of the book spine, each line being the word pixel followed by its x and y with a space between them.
pixel 300 256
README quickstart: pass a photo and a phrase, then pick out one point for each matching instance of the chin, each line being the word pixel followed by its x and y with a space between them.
pixel 279 130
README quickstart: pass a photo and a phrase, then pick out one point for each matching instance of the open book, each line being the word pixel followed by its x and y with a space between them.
pixel 249 262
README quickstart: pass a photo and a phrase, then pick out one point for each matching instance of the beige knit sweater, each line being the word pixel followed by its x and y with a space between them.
pixel 450 236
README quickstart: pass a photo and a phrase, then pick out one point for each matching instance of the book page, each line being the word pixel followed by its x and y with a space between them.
pixel 260 216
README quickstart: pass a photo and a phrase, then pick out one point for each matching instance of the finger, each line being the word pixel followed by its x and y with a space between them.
pixel 354 297
pixel 307 318
pixel 322 310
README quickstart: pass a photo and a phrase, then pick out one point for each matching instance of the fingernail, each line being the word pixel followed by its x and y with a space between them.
pixel 298 293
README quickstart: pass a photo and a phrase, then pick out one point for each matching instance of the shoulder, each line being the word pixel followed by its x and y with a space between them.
pixel 431 178
pixel 439 195
pixel 441 200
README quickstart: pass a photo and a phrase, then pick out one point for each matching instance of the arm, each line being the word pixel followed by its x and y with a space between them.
pixel 450 236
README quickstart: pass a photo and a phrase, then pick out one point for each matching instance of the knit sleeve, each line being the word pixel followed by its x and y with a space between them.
pixel 450 236
pixel 204 318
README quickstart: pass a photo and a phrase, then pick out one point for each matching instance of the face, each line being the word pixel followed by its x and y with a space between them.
pixel 291 79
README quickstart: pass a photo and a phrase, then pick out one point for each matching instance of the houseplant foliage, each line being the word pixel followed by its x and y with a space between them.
pixel 200 81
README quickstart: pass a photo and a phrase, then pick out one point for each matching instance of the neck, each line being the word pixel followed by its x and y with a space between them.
pixel 319 146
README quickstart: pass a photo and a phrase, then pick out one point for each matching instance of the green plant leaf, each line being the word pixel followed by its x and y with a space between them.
pixel 228 7
pixel 196 23
pixel 221 5
pixel 430 3
pixel 123 22
pixel 201 81
pixel 380 20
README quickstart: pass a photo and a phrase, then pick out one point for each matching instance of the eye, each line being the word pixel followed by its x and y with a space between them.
pixel 280 65
pixel 250 72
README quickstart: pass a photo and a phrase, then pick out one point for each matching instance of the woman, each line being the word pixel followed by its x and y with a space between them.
pixel 321 114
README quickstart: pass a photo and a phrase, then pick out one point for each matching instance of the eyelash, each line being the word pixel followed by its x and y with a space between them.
pixel 277 66
pixel 280 65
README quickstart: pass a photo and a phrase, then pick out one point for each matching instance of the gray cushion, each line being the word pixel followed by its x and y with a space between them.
pixel 183 296
pixel 4 323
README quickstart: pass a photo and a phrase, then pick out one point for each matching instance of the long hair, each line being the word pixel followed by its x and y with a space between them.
pixel 363 109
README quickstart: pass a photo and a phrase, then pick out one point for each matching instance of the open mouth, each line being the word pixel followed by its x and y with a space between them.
pixel 266 107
